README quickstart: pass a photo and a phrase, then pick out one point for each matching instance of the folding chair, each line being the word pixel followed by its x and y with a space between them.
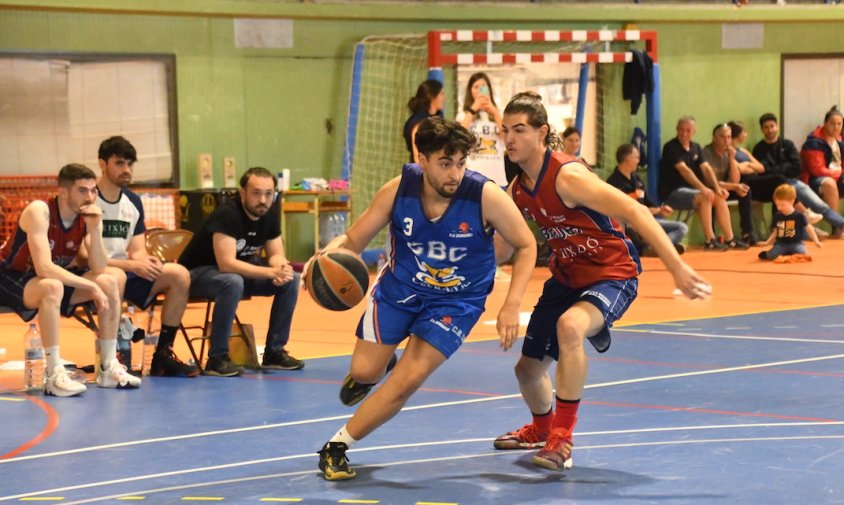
pixel 168 245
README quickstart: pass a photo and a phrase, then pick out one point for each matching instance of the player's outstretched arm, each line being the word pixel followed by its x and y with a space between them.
pixel 501 212
pixel 576 185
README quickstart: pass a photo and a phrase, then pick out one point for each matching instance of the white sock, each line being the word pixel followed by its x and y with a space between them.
pixel 52 356
pixel 343 436
pixel 108 351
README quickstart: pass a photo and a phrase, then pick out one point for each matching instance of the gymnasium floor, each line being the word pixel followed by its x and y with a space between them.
pixel 737 399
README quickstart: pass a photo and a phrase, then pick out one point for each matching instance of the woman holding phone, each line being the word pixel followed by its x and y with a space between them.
pixel 482 117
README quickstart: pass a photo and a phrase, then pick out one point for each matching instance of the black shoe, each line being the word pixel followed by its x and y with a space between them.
pixel 334 463
pixel 281 361
pixel 714 245
pixel 165 363
pixel 749 239
pixel 221 366
pixel 680 248
pixel 763 255
pixel 737 244
pixel 353 392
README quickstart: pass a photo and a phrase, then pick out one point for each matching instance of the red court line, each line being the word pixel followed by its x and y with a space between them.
pixel 49 428
pixel 708 411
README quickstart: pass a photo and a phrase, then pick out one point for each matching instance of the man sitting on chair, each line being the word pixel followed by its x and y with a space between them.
pixel 224 266
pixel 146 275
pixel 40 274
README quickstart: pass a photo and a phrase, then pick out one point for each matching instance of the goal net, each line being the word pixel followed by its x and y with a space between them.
pixel 578 74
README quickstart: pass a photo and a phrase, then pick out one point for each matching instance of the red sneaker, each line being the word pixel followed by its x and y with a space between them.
pixel 526 437
pixel 556 455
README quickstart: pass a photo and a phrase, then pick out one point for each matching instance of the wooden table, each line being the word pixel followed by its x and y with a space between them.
pixel 312 202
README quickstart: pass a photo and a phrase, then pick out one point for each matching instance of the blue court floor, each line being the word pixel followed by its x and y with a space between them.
pixel 739 410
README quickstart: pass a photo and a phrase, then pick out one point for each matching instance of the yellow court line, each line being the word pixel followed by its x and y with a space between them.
pixel 287 500
pixel 435 503
pixel 202 498
pixel 43 498
pixel 4 399
pixel 358 501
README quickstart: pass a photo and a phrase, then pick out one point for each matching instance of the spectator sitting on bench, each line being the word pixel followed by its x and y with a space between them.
pixel 40 274
pixel 720 155
pixel 682 172
pixel 780 156
pixel 624 178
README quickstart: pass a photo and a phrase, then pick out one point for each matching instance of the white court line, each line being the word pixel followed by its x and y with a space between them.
pixel 398 463
pixel 734 337
pixel 417 407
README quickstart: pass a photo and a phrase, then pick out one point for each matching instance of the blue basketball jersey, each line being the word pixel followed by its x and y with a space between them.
pixel 450 257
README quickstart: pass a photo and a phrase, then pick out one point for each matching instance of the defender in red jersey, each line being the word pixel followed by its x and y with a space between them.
pixel 594 266
pixel 40 274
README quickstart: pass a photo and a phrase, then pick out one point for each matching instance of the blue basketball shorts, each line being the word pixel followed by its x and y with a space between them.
pixel 611 297
pixel 443 323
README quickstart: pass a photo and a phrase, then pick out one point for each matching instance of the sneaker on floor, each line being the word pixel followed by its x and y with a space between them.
pixel 116 376
pixel 680 248
pixel 556 455
pixel 165 363
pixel 281 361
pixel 837 233
pixel 59 383
pixel 823 234
pixel 714 245
pixel 737 244
pixel 334 463
pixel 221 366
pixel 526 437
pixel 353 392
pixel 813 216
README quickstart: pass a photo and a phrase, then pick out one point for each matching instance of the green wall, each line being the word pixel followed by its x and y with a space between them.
pixel 287 107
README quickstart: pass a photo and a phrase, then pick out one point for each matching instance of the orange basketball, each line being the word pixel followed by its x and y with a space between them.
pixel 337 279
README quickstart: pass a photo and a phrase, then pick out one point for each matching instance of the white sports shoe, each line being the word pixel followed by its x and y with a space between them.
pixel 59 383
pixel 116 376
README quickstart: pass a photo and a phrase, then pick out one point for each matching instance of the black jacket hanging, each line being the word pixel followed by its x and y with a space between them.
pixel 637 79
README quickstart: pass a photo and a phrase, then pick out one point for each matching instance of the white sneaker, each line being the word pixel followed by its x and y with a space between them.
pixel 116 376
pixel 59 383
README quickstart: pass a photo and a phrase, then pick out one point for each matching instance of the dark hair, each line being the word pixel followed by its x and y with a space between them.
pixel 832 112
pixel 720 126
pixel 736 128
pixel 73 172
pixel 117 146
pixel 530 103
pixel 571 130
pixel 257 172
pixel 435 134
pixel 623 151
pixel 768 116
pixel 425 94
pixel 469 100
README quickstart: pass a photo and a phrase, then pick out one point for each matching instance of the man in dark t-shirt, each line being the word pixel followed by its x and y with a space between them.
pixel 225 266
pixel 686 181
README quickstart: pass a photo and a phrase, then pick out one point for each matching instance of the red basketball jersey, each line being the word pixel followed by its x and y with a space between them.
pixel 64 242
pixel 587 246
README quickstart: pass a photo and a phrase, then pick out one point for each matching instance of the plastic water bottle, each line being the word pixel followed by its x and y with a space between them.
pixel 124 337
pixel 382 260
pixel 33 371
pixel 150 341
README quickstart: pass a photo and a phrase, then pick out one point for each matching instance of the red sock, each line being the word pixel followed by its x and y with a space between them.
pixel 544 421
pixel 566 415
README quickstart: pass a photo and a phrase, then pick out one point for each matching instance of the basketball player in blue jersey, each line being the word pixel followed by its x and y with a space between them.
pixel 432 291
